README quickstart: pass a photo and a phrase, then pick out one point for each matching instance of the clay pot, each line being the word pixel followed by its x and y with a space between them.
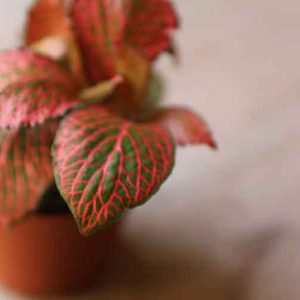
pixel 46 255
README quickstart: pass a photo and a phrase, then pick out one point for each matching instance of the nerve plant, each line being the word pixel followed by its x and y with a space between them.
pixel 78 107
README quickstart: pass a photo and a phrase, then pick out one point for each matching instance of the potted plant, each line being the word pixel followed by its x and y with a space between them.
pixel 82 136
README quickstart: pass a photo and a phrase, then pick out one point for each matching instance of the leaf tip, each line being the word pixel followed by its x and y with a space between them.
pixel 211 142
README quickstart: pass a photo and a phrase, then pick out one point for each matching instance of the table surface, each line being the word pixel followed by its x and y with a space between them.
pixel 202 235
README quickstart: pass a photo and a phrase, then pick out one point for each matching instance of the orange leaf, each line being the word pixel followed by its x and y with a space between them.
pixel 75 62
pixel 130 96
pixel 47 18
pixel 49 32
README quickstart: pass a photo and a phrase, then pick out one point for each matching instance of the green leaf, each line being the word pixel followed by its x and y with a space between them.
pixel 25 169
pixel 104 164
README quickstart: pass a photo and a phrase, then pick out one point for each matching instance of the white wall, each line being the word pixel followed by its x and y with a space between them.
pixel 12 17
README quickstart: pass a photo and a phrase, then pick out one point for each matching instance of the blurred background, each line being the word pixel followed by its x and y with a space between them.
pixel 226 225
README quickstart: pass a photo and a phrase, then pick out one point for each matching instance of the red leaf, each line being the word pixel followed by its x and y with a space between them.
pixel 96 43
pixel 47 18
pixel 25 169
pixel 105 27
pixel 186 126
pixel 104 164
pixel 33 89
pixel 149 24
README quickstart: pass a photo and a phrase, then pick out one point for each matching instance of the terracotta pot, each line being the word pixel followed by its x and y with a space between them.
pixel 46 255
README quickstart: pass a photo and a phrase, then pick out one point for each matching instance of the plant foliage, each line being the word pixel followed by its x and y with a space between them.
pixel 81 85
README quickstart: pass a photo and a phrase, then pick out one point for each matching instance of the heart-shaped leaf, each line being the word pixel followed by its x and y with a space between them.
pixel 186 126
pixel 104 164
pixel 33 89
pixel 105 27
pixel 25 169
